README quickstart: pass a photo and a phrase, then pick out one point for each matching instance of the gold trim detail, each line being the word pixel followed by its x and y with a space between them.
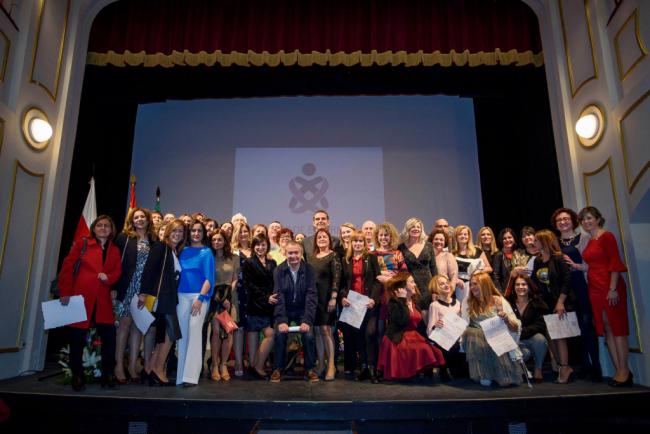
pixel 612 181
pixel 575 90
pixel 2 134
pixel 631 183
pixel 18 165
pixel 5 56
pixel 187 58
pixel 637 33
pixel 51 93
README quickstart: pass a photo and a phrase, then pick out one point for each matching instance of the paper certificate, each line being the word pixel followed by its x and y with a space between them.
pixel 562 328
pixel 453 328
pixel 497 335
pixel 354 313
pixel 57 315
pixel 141 317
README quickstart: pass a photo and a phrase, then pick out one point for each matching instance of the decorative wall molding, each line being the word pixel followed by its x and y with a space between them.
pixel 624 71
pixel 632 180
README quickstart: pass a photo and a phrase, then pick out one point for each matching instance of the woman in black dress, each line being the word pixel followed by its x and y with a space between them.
pixel 572 243
pixel 419 258
pixel 327 267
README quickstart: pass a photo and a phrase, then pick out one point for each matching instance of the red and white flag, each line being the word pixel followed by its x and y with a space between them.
pixel 132 203
pixel 88 215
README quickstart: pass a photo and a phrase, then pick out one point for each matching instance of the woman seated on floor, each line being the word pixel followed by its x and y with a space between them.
pixel 404 352
pixel 483 302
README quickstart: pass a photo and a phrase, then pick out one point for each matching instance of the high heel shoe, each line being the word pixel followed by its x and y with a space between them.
pixel 154 380
pixel 214 374
pixel 225 375
pixel 256 374
pixel 629 382
pixel 570 379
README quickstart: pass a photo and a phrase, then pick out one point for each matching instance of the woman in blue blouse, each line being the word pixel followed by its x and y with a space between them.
pixel 194 292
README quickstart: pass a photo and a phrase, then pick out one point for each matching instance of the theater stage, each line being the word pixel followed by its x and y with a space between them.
pixel 294 405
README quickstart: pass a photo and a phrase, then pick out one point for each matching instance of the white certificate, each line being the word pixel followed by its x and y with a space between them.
pixel 57 315
pixel 497 335
pixel 354 313
pixel 141 317
pixel 562 328
pixel 453 328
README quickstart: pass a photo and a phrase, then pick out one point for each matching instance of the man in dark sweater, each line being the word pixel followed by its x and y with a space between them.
pixel 295 299
pixel 320 220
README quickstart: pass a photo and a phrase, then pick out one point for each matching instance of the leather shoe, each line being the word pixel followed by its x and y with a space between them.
pixel 108 382
pixel 256 374
pixel 276 376
pixel 154 380
pixel 312 377
pixel 627 383
pixel 78 383
pixel 363 375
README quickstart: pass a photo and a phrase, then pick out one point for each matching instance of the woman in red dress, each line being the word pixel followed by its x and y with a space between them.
pixel 404 352
pixel 607 292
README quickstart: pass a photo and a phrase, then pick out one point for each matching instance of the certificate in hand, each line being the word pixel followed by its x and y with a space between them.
pixel 453 328
pixel 497 335
pixel 562 328
pixel 141 317
pixel 57 315
pixel 354 313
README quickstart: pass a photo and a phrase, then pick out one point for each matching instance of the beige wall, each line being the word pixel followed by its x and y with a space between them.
pixel 589 61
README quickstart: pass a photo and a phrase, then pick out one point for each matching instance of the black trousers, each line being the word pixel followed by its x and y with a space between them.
pixel 78 342
pixel 362 340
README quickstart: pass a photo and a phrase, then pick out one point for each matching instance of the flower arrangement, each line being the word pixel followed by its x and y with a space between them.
pixel 91 359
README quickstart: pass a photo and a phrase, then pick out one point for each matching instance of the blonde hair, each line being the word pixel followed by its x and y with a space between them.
pixel 410 223
pixel 481 305
pixel 493 243
pixel 234 240
pixel 392 232
pixel 433 283
pixel 471 248
pixel 356 235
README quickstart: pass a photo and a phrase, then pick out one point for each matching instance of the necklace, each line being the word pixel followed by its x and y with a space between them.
pixel 566 242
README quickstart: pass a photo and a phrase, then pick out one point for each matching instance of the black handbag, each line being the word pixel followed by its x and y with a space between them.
pixel 55 291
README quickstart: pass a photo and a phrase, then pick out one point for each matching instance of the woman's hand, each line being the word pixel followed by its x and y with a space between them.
pixel 273 299
pixel 560 309
pixel 612 297
pixel 345 302
pixel 226 304
pixel 439 323
pixel 64 300
pixel 141 299
pixel 499 306
pixel 113 294
pixel 371 304
pixel 331 305
pixel 103 277
pixel 196 307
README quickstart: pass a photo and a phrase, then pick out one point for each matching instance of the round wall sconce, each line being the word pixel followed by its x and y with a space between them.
pixel 37 130
pixel 590 126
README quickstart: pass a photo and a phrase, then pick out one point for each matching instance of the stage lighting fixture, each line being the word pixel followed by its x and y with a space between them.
pixel 37 130
pixel 590 125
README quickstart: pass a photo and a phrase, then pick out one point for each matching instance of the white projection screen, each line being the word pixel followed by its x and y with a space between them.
pixel 362 157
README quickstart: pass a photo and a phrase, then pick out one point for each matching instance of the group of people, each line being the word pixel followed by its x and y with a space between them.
pixel 232 285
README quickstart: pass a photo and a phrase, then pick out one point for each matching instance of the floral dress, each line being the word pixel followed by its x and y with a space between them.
pixel 123 310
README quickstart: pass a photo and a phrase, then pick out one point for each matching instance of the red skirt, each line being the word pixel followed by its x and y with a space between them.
pixel 410 356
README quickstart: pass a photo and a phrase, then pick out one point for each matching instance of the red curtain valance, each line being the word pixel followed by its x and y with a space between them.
pixel 307 32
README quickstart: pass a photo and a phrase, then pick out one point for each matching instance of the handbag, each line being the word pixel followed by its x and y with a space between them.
pixel 151 302
pixel 54 284
pixel 226 321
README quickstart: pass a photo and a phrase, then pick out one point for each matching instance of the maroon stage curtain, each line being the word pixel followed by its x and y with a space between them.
pixel 272 32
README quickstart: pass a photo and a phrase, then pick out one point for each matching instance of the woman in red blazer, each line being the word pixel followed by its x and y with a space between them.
pixel 99 267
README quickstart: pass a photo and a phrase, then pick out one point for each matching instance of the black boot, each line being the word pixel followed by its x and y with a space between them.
pixel 108 382
pixel 373 375
pixel 78 383
pixel 363 375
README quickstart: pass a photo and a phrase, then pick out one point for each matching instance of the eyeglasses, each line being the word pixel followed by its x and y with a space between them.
pixel 563 219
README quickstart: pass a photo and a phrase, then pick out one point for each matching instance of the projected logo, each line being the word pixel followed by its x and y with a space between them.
pixel 308 193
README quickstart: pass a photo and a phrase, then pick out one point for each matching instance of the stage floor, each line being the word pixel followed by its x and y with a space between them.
pixel 245 402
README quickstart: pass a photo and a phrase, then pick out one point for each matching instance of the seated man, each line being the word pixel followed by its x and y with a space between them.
pixel 295 299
